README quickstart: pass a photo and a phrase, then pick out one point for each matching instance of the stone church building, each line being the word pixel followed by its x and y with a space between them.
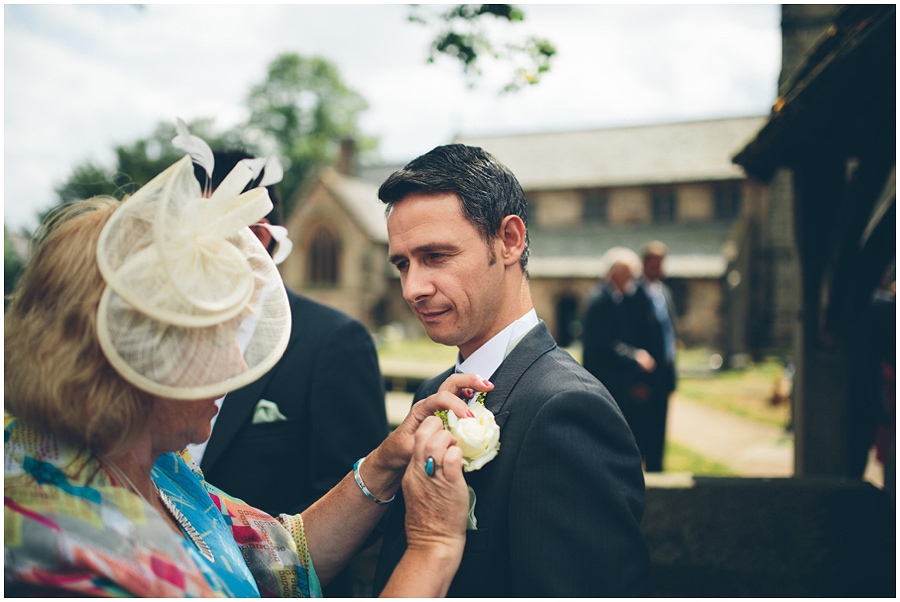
pixel 588 191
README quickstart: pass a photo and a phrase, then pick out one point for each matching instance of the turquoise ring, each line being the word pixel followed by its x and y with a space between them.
pixel 429 466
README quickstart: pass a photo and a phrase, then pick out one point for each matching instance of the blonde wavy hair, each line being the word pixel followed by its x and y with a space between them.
pixel 56 377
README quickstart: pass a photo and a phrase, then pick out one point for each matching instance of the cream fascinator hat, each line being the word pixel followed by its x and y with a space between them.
pixel 194 306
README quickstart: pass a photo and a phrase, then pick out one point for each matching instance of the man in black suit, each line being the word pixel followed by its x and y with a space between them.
pixel 557 511
pixel 283 441
pixel 656 333
pixel 610 334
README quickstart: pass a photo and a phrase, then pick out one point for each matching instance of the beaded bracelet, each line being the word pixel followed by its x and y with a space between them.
pixel 365 489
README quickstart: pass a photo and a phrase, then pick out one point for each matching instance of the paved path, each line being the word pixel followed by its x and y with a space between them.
pixel 750 448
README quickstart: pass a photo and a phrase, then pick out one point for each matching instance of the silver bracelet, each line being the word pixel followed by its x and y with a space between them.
pixel 365 489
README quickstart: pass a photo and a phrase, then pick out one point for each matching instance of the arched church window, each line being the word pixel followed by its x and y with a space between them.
pixel 323 257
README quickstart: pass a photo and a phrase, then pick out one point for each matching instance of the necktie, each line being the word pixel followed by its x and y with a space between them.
pixel 662 315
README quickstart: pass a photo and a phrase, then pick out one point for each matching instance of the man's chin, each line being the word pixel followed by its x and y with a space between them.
pixel 440 336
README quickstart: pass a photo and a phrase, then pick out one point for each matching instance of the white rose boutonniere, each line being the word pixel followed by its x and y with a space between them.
pixel 479 437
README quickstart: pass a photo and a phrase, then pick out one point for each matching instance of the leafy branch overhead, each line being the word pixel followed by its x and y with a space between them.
pixel 463 35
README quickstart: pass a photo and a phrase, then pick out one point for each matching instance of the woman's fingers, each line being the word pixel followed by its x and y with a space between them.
pixel 436 499
pixel 431 438
pixel 452 464
pixel 442 400
pixel 452 395
pixel 465 385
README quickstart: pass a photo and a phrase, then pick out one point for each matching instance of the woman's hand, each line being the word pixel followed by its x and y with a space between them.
pixel 436 505
pixel 337 524
pixel 388 461
pixel 436 515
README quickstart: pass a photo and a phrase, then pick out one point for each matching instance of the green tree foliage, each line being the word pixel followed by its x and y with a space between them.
pixel 136 163
pixel 299 112
pixel 305 108
pixel 87 180
pixel 462 35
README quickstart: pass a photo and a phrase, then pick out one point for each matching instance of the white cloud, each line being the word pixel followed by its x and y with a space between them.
pixel 81 78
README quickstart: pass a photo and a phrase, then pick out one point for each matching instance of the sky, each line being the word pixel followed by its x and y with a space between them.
pixel 80 79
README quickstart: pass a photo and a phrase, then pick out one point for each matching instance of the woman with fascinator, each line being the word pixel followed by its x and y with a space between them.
pixel 129 321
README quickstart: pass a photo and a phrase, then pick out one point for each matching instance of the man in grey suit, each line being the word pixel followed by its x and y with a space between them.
pixel 557 512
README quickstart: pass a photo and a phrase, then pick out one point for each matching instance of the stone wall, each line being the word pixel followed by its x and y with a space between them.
pixel 790 537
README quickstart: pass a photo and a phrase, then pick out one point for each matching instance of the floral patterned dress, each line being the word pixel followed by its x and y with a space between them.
pixel 69 526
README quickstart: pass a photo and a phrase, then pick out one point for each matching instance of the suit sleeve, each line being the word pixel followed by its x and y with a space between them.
pixel 576 503
pixel 347 391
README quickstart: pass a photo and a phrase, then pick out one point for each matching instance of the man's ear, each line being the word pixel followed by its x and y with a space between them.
pixel 263 234
pixel 512 238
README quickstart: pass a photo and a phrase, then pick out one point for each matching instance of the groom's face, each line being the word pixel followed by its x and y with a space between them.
pixel 450 279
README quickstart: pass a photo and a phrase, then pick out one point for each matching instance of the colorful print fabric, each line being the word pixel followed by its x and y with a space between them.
pixel 69 526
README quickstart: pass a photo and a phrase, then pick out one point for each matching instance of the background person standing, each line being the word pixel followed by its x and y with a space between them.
pixel 610 337
pixel 655 313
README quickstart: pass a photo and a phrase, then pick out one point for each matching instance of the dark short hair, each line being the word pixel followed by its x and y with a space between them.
pixel 487 189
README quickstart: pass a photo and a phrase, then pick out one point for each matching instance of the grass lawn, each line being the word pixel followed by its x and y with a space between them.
pixel 416 350
pixel 682 459
pixel 747 392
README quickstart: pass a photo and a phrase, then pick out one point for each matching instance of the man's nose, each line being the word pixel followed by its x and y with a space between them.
pixel 417 284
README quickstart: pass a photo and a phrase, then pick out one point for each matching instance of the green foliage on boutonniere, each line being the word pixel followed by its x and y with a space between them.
pixel 442 414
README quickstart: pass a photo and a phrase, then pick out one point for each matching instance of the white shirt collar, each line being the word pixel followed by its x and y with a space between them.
pixel 653 286
pixel 487 358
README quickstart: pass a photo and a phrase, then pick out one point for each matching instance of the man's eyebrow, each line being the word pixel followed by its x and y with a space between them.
pixel 424 249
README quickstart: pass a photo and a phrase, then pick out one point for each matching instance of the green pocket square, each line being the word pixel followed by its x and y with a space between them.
pixel 473 524
pixel 266 411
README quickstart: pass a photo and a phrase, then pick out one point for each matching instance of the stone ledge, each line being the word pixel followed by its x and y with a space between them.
pixel 711 536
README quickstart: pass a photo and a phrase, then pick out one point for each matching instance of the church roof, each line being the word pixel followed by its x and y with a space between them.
pixel 695 250
pixel 360 198
pixel 629 156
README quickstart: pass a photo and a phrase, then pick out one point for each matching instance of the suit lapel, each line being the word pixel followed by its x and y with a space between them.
pixel 236 411
pixel 535 344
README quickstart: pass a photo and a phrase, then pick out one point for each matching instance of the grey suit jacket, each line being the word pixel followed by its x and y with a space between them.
pixel 559 508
